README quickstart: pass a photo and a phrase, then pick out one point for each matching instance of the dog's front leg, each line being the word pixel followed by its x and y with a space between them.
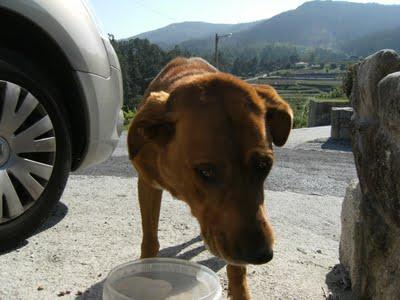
pixel 237 283
pixel 150 202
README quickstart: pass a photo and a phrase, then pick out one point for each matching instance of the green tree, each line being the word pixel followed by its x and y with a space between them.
pixel 140 62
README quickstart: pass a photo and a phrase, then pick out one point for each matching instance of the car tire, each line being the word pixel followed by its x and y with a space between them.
pixel 35 157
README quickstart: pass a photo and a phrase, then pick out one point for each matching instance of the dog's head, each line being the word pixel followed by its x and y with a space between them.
pixel 214 135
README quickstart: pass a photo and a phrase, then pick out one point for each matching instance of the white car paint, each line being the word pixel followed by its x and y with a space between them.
pixel 71 25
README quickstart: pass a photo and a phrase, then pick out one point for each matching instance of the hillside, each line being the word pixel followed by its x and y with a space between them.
pixel 373 42
pixel 177 33
pixel 326 24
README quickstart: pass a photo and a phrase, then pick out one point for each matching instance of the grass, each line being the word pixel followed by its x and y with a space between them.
pixel 128 117
pixel 323 100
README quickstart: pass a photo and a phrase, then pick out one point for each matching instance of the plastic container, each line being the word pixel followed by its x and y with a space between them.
pixel 162 279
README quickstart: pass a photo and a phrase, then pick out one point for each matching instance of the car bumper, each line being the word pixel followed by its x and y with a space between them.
pixel 105 119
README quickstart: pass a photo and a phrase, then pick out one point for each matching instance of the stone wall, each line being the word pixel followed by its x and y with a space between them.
pixel 319 113
pixel 370 240
pixel 340 121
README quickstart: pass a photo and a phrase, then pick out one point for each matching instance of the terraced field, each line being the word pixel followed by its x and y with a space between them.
pixel 294 88
pixel 299 89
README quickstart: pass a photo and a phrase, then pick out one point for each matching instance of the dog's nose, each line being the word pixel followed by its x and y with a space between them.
pixel 259 256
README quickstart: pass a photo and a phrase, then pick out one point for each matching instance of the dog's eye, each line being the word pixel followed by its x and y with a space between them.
pixel 262 165
pixel 207 173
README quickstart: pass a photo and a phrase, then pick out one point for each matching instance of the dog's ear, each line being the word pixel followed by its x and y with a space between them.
pixel 279 115
pixel 151 124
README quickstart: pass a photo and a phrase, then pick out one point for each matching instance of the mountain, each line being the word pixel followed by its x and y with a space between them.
pixel 176 33
pixel 373 42
pixel 326 24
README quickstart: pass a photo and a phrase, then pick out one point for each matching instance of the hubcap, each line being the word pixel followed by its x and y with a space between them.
pixel 27 150
pixel 4 152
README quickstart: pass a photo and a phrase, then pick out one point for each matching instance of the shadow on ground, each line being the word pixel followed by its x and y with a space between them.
pixel 59 212
pixel 337 145
pixel 339 284
pixel 214 263
pixel 175 250
pixel 118 166
pixel 95 292
pixel 327 144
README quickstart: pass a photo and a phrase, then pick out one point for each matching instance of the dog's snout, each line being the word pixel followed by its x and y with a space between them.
pixel 259 255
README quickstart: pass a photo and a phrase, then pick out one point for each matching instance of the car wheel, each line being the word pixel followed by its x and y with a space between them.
pixel 35 149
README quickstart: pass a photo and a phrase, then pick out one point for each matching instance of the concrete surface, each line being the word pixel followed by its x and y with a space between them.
pixel 96 227
pixel 303 135
pixel 319 113
pixel 341 122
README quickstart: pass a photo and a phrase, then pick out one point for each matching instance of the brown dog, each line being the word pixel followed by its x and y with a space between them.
pixel 206 137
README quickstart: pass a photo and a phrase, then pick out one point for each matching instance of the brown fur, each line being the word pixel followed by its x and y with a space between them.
pixel 206 137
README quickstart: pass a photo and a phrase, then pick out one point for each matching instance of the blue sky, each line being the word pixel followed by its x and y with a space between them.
pixel 125 18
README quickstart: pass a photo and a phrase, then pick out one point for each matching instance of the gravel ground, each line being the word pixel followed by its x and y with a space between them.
pixel 96 226
pixel 308 164
pixel 309 171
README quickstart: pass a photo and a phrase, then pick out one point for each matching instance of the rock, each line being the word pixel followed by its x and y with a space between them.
pixel 368 73
pixel 389 106
pixel 370 242
pixel 349 256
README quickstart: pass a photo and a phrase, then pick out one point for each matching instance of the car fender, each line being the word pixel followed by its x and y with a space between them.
pixel 71 26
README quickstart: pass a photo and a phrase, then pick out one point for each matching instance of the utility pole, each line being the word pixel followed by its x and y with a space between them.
pixel 216 50
pixel 217 38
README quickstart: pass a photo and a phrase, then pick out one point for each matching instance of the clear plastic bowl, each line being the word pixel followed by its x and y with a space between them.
pixel 162 279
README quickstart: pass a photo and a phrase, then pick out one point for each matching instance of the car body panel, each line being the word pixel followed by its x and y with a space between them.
pixel 70 24
pixel 106 120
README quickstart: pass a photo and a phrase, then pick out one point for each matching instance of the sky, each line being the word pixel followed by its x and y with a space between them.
pixel 125 18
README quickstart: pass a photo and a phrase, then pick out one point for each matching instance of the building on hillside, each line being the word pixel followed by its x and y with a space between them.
pixel 301 65
pixel 316 66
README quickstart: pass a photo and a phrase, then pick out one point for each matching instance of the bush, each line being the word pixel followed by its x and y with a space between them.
pixel 300 108
pixel 347 80
pixel 132 103
pixel 128 116
pixel 337 92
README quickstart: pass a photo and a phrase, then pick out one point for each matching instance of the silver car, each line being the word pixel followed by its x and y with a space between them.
pixel 60 106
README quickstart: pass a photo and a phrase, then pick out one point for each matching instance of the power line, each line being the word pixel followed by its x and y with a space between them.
pixel 142 4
